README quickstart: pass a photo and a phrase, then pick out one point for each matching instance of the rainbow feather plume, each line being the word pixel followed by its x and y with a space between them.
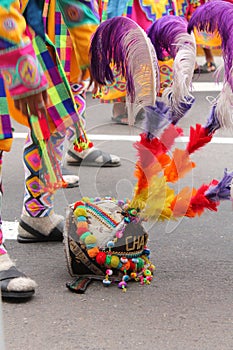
pixel 154 197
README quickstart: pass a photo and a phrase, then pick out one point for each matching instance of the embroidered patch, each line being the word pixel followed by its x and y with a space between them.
pixel 28 72
pixel 8 76
pixel 73 13
pixel 9 24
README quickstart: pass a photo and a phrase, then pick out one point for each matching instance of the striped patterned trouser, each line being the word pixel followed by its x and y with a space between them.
pixel 38 202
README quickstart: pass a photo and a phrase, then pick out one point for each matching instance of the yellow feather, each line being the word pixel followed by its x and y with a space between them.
pixel 139 200
pixel 158 204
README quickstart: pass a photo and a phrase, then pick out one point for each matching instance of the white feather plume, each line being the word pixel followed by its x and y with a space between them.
pixel 142 64
pixel 224 106
pixel 183 68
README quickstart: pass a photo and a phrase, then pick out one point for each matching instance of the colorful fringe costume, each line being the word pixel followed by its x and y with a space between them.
pixel 71 27
pixel 105 238
pixel 39 69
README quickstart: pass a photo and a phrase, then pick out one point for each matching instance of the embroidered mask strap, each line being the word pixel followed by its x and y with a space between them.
pixel 80 255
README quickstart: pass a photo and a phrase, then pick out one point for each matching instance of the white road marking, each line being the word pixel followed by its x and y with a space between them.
pixel 204 86
pixel 134 138
pixel 9 229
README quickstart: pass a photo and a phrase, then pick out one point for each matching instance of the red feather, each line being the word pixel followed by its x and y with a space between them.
pixel 198 138
pixel 142 179
pixel 149 150
pixel 199 202
pixel 169 135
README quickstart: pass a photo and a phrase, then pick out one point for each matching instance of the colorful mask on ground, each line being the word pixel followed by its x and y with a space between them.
pixel 105 239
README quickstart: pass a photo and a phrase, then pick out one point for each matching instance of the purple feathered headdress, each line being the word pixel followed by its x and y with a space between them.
pixel 217 16
pixel 169 34
pixel 120 42
pixel 163 35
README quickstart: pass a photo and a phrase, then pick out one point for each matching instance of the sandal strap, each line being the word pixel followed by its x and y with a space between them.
pixel 12 272
pixel 31 230
pixel 73 155
pixel 55 234
pixel 92 156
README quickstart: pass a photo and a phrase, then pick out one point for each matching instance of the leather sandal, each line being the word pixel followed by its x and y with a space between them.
pixel 5 277
pixel 91 159
pixel 56 235
pixel 208 67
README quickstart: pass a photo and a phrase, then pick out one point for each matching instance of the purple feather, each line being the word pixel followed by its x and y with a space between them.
pixel 183 108
pixel 212 123
pixel 222 190
pixel 107 47
pixel 163 34
pixel 159 116
pixel 212 16
pixel 156 118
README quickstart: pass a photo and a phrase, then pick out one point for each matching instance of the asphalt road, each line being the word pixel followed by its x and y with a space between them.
pixel 189 304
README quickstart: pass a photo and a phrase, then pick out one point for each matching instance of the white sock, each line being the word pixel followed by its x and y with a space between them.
pixel 44 225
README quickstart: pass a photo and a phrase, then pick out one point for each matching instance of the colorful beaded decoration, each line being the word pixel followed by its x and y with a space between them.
pixel 138 268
